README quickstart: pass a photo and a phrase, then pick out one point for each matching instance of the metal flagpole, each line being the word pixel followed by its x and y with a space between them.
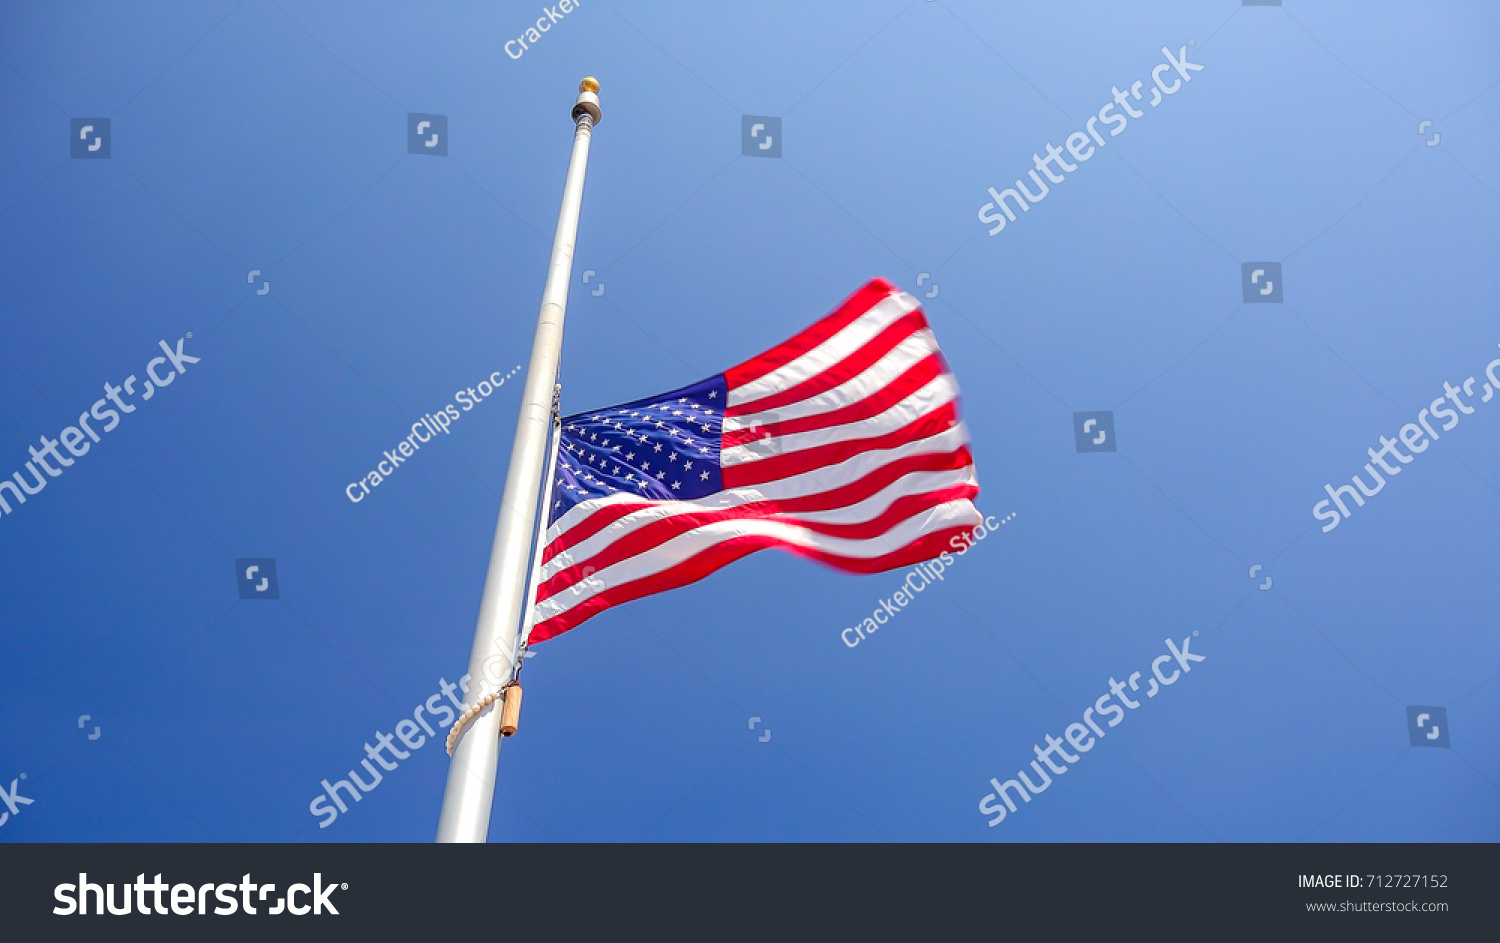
pixel 476 757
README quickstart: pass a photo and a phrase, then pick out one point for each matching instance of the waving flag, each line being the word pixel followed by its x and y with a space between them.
pixel 842 444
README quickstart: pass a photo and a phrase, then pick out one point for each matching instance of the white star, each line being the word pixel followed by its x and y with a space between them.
pixel 594 437
pixel 676 486
pixel 658 447
pixel 616 471
pixel 661 474
pixel 704 476
pixel 629 456
pixel 661 425
pixel 677 412
pixel 674 456
pixel 686 465
pixel 646 466
pixel 630 477
pixel 713 394
pixel 683 400
pixel 704 449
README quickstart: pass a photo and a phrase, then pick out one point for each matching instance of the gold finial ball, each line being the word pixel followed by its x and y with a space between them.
pixel 589 84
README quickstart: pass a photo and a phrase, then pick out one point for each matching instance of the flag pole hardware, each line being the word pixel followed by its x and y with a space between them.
pixel 510 714
pixel 588 100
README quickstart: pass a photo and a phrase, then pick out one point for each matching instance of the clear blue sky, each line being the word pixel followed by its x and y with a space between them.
pixel 272 136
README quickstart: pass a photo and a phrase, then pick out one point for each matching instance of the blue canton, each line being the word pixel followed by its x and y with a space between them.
pixel 663 448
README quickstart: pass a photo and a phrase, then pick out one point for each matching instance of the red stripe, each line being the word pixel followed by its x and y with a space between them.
pixel 847 369
pixel 842 496
pixel 806 460
pixel 782 354
pixel 645 539
pixel 691 571
pixel 917 376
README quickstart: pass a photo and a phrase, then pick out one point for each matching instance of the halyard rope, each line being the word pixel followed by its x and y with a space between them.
pixel 471 713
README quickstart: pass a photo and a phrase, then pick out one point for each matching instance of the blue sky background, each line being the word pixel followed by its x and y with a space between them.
pixel 272 136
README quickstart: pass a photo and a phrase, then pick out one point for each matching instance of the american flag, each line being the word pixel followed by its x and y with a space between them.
pixel 842 444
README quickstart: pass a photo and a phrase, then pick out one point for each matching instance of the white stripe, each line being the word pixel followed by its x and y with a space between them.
pixel 905 355
pixel 854 336
pixel 858 513
pixel 939 392
pixel 879 502
pixel 817 481
pixel 686 546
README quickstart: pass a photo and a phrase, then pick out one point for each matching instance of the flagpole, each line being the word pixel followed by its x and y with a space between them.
pixel 470 790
